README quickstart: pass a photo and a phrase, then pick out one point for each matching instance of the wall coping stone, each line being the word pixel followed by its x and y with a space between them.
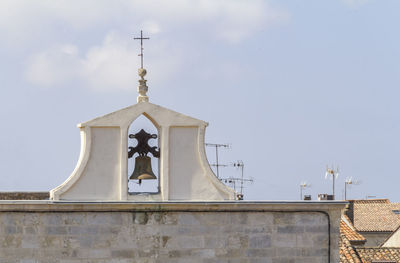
pixel 228 206
pixel 24 195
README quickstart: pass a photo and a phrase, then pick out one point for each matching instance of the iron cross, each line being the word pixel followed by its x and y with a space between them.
pixel 141 47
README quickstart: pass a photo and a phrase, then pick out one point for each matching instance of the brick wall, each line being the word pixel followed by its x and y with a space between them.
pixel 99 237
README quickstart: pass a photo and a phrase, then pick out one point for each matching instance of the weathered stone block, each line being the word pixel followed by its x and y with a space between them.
pixel 260 241
pixel 30 241
pixel 186 242
pixel 260 218
pixel 291 229
pixel 284 240
pixel 73 219
pixel 283 259
pixel 316 229
pixel 30 230
pixel 52 219
pixel 10 241
pixel 56 230
pixel 12 229
pixel 264 253
pixel 99 253
pixel 187 219
pixel 140 218
pixel 282 218
pixel 310 218
pixel 50 241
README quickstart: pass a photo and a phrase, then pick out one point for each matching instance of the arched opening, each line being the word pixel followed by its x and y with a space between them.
pixel 143 157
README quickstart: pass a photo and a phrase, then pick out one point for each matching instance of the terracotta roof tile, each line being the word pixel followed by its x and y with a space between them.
pixel 348 234
pixel 375 216
pixel 347 253
pixel 350 254
pixel 369 255
pixel 371 201
pixel 348 230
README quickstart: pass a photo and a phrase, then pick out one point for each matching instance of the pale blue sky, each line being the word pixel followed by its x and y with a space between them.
pixel 292 85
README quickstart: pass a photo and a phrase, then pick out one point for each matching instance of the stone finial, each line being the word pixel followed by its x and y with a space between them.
pixel 142 88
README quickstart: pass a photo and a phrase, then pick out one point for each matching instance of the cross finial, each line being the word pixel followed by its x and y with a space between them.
pixel 141 46
pixel 142 88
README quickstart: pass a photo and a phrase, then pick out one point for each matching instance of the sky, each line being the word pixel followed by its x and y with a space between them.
pixel 292 86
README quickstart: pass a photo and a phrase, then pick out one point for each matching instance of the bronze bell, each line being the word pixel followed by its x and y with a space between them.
pixel 143 170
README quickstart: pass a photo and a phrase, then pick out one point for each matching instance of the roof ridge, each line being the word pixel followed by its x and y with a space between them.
pixel 364 248
pixel 378 200
pixel 346 219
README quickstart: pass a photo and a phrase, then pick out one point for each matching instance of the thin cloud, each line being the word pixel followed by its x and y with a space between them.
pixel 109 66
pixel 112 64
pixel 230 20
pixel 55 66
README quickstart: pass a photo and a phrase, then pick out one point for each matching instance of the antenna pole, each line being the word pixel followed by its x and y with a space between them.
pixel 216 160
pixel 333 174
pixel 216 145
pixel 241 181
pixel 333 185
pixel 241 165
pixel 303 186
pixel 345 190
pixel 301 192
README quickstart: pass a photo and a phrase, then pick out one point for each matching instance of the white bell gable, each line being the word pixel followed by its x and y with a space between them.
pixel 101 173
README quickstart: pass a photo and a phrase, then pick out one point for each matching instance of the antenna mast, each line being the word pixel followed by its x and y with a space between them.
pixel 216 145
pixel 241 180
pixel 237 164
pixel 331 172
pixel 303 185
pixel 347 182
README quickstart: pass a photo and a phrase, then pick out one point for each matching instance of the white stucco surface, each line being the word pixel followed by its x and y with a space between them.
pixel 190 178
pixel 103 165
pixel 102 170
pixel 393 240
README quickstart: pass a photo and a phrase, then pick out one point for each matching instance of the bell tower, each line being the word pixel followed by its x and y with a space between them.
pixel 107 152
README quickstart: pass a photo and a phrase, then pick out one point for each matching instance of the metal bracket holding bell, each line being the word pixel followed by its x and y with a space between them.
pixel 143 169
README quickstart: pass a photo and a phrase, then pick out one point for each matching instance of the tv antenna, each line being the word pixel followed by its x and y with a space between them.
pixel 303 186
pixel 217 164
pixel 241 180
pixel 333 174
pixel 349 181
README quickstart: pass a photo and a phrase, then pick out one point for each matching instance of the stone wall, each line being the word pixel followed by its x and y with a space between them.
pixel 375 239
pixel 198 236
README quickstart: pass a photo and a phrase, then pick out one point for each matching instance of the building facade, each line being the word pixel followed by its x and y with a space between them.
pixel 192 217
